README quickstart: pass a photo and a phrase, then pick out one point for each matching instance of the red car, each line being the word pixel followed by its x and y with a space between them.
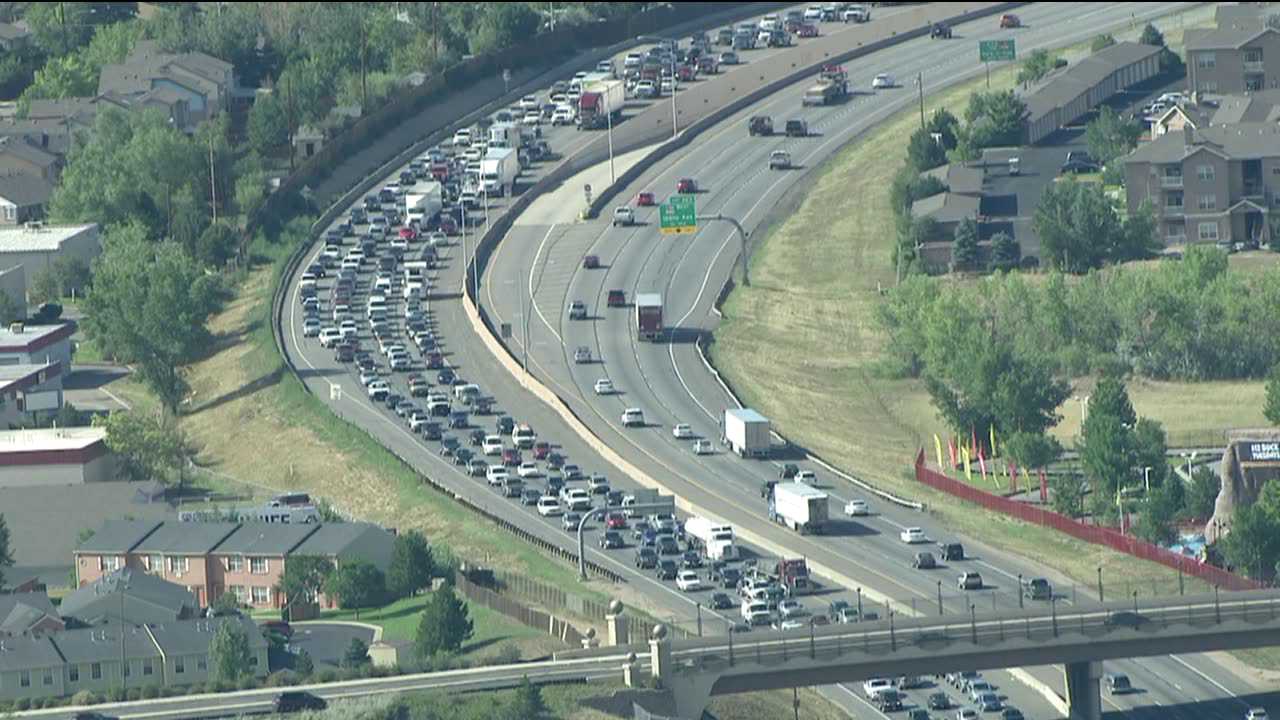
pixel 510 457
pixel 448 225
pixel 408 233
pixel 435 361
pixel 590 262
pixel 279 627
pixel 686 73
pixel 645 199
pixel 686 186
pixel 807 31
pixel 615 521
pixel 1009 20
pixel 540 450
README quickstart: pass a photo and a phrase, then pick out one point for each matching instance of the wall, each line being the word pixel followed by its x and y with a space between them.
pixel 13 282
pixel 33 475
pixel 222 579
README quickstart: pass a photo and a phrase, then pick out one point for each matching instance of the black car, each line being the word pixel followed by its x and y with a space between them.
pixel 691 559
pixel 729 577
pixel 721 601
pixel 611 540
pixel 504 424
pixel 482 406
pixel 667 545
pixel 939 701
pixel 530 496
pixel 923 561
pixel 613 498
pixel 458 420
pixel 951 551
pixel 647 559
pixel 666 570
pixel 1079 161
pixel 392 400
pixel 462 456
pixel 788 471
pixel 638 528
pixel 445 377
pixel 405 407
pixel 432 431
pixel 448 444
pixel 476 437
pixel 295 700
pixel 554 483
pixel 572 472
pixel 940 31
pixel 555 460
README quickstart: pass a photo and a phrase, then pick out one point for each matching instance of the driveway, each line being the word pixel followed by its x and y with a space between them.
pixel 327 642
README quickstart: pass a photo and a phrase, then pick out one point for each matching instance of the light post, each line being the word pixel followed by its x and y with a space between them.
pixel 859 604
pixel 940 597
pixel 609 119
pixel 662 41
pixel 1100 598
pixel 742 240
pixel 1146 477
pixel 1084 409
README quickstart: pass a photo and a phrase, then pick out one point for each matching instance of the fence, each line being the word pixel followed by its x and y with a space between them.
pixel 552 625
pixel 554 597
pixel 1089 533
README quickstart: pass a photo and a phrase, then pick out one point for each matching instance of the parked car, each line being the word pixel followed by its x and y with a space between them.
pixel 296 700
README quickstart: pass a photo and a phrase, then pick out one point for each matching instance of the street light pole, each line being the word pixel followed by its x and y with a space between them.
pixel 609 119
pixel 742 238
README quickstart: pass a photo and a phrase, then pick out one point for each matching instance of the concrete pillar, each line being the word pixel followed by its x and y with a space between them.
pixel 660 658
pixel 629 670
pixel 616 626
pixel 1084 690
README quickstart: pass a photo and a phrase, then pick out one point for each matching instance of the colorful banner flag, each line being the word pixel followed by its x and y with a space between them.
pixel 973 441
pixel 982 464
pixel 937 445
pixel 1044 487
pixel 993 441
pixel 968 472
pixel 951 448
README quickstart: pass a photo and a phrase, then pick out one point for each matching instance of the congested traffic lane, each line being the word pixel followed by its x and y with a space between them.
pixel 637 260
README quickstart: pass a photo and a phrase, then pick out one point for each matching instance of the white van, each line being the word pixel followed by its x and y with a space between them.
pixel 755 612
pixel 466 393
pixel 873 687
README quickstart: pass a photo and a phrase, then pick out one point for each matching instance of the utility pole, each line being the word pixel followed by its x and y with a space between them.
pixel 920 85
pixel 213 185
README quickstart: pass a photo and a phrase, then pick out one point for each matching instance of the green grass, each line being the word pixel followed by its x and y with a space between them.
pixel 815 286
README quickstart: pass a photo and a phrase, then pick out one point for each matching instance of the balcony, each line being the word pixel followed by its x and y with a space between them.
pixel 1254 66
pixel 1254 190
pixel 1170 181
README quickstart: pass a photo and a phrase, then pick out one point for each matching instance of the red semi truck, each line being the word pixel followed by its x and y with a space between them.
pixel 649 316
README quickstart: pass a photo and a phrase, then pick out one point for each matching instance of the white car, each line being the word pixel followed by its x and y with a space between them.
pixel 529 102
pixel 967 714
pixel 632 417
pixel 857 508
pixel 790 625
pixel 702 447
pixel 311 327
pixel 623 215
pixel 813 12
pixel 462 137
pixel 791 609
pixel 492 445
pixel 682 431
pixel 688 581
pixel 883 80
pixel 604 386
pixel 378 389
pixel 528 470
pixel 563 115
pixel 577 499
pixel 532 117
pixel 329 336
pixel 668 85
pixel 1256 714
pixel 347 329
pixel 808 477
pixel 549 506
pixel 646 89
pixel 912 536
pixel 496 474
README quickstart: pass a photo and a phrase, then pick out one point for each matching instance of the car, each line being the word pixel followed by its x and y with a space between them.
pixel 528 102
pixel 913 535
pixel 1079 161
pixel 541 449
pixel 969 580
pixel 571 521
pixel 90 715
pixel 480 468
pixel 967 714
pixel 727 576
pixel 549 506
pixel 582 355
pixel 688 581
pixel 604 386
pixel 691 559
pixel 572 472
pixel 311 327
pixel 787 625
pixel 721 601
pixel 590 262
pixel 988 702
pixel 951 551
pixel 645 199
pixel 611 540
pixel 703 447
pixel 562 115
pixel 788 471
pixel 938 701
pixel 577 310
pixel 632 417
pixel 528 470
pixel 924 561
pixel 791 608
pixel 682 431
pixel 1117 683
pixel 686 186
pixel 1256 714
pixel 511 457
pixel 491 445
pixel 807 477
pixel 378 390
pixel 616 298
pixel 1037 589
pixel 445 377
pixel 883 81
pixel 295 700
pixel 857 508
pixel 598 484
pixel 646 558
pixel 448 444
pixel 728 57
pixel 666 570
pixel 615 521
pixel 667 545
pixel 1011 713
pixel 330 336
pixel 1009 20
pixel 623 215
pixel 779 160
pixel 914 713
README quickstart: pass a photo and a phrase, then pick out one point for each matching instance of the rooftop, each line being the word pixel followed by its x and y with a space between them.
pixel 1229 38
pixel 1257 107
pixel 1238 16
pixel 1243 141
pixel 191 637
pixel 946 207
pixel 103 643
pixel 141 587
pixel 185 538
pixel 23 190
pixel 1062 87
pixel 265 539
pixel 47 439
pixel 118 536
pixel 22 653
pixel 21 148
pixel 23 377
pixel 46 238
pixel 959 177
pixel 19 611
pixel 348 539
pixel 747 415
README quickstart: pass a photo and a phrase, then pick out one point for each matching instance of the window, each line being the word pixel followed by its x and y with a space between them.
pixel 1209 87
pixel 155 563
pixel 261 595
pixel 235 563
pixel 258 566
pixel 1176 231
pixel 10 212
pixel 202 662
pixel 109 562
pixel 239 591
pixel 95 671
pixel 48 677
pixel 179 665
pixel 1205 172
pixel 178 565
pixel 147 669
pixel 24 678
pixel 1209 231
pixel 253 661
pixel 73 673
pixel 1173 200
pixel 1206 61
pixel 1208 202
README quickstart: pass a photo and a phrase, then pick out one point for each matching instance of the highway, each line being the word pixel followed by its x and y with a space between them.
pixel 669 381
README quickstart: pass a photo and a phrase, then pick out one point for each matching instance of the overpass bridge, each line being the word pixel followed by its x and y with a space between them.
pixel 1079 639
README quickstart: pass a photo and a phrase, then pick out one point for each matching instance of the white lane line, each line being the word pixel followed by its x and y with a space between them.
pixel 1208 679
pixel 533 299
pixel 862 700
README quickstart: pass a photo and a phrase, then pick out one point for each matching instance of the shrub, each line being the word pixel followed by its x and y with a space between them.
pixel 327 675
pixel 22 704
pixel 506 654
pixel 133 694
pixel 117 694
pixel 248 682
pixel 282 678
pixel 86 697
pixel 150 692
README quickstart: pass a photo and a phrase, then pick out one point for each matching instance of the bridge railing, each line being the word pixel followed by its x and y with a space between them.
pixel 1095 534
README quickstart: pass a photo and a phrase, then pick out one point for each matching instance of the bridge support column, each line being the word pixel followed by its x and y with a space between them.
pixel 616 626
pixel 662 665
pixel 1084 690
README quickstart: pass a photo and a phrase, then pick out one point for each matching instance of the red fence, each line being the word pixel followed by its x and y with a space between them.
pixel 1089 533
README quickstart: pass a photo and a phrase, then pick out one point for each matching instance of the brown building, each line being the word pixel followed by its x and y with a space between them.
pixel 1232 60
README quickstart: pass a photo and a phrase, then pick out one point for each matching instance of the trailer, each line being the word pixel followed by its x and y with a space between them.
pixel 746 432
pixel 648 316
pixel 498 171
pixel 800 507
pixel 423 203
pixel 600 103
pixel 832 86
pixel 714 540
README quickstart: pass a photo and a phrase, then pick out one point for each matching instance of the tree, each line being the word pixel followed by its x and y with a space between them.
pixel 995 119
pixel 411 565
pixel 6 554
pixel 1137 240
pixel 268 126
pixel 356 584
pixel 59 28
pixel 1149 447
pixel 1253 544
pixel 216 245
pixel 1271 406
pixel 1102 42
pixel 72 274
pixel 1031 450
pixel 1066 495
pixel 9 309
pixel 149 446
pixel 1151 36
pixel 229 654
pixel 945 125
pixel 1006 253
pixel 444 624
pixel 1038 64
pixel 527 702
pixel 226 604
pixel 45 287
pixel 302 663
pixel 1110 136
pixel 357 654
pixel 1163 508
pixel 148 306
pixel 909 186
pixel 303 577
pixel 1202 494
pixel 1111 398
pixel 1077 225
pixel 923 152
pixel 964 247
pixel 503 25
pixel 1107 454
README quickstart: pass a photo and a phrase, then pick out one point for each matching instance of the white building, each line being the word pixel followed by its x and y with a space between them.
pixel 29 393
pixel 22 344
pixel 35 246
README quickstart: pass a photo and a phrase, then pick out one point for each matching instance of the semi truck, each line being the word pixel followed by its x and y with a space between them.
pixel 714 540
pixel 794 576
pixel 832 86
pixel 798 506
pixel 423 203
pixel 600 101
pixel 498 170
pixel 747 432
pixel 504 135
pixel 648 316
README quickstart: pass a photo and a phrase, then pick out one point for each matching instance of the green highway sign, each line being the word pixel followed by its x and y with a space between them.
pixel 677 216
pixel 995 50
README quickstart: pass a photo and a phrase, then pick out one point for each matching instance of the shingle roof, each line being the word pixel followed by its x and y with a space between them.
pixel 264 539
pixel 21 148
pixel 959 178
pixel 118 536
pixel 946 207
pixel 192 538
pixel 25 653
pixel 1239 16
pixel 102 643
pixel 23 190
pixel 19 611
pixel 1230 38
pixel 350 540
pixel 188 637
pixel 1242 141
pixel 1065 86
pixel 1258 107
pixel 86 603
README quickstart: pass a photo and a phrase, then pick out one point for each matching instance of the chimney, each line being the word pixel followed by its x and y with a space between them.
pixel 1188 135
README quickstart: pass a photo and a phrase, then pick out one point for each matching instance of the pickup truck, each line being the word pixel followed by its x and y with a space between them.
pixel 760 125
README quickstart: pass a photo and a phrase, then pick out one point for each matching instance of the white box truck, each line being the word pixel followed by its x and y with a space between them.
pixel 423 202
pixel 498 171
pixel 713 539
pixel 798 506
pixel 504 135
pixel 747 432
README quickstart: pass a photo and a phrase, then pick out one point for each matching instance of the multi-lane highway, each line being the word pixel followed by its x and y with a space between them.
pixel 541 257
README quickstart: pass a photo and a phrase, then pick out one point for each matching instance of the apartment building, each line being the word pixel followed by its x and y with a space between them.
pixel 250 562
pixel 1215 184
pixel 1232 59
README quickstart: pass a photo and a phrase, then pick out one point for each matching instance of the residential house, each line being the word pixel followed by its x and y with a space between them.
pixel 1232 60
pixel 960 178
pixel 31 666
pixel 50 456
pixel 180 553
pixel 22 344
pixel 37 246
pixel 1241 16
pixel 130 596
pixel 28 613
pixel 19 157
pixel 184 648
pixel 23 198
pixel 1215 184
pixel 1066 96
pixel 109 548
pixel 946 209
pixel 1180 116
pixel 251 561
pixel 14 36
pixel 189 87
